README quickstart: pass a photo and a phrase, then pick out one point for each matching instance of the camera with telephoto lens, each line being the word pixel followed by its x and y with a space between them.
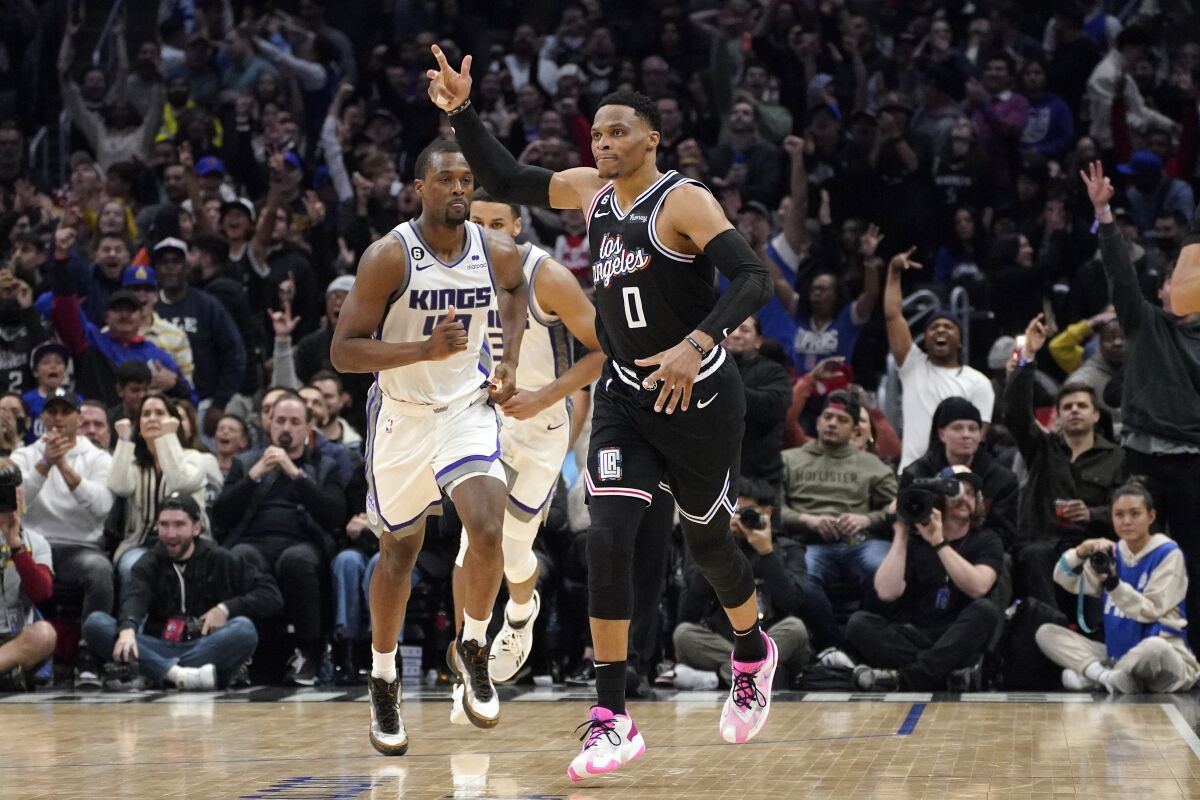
pixel 750 517
pixel 1103 563
pixel 10 479
pixel 916 501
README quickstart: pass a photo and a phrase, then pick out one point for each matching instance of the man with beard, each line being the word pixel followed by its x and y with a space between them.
pixel 279 508
pixel 703 637
pixel 21 330
pixel 198 601
pixel 933 374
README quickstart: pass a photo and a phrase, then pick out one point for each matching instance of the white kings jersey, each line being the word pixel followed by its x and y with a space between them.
pixel 430 287
pixel 547 348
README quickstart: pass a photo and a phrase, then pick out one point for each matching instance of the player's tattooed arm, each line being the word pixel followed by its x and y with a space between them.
pixel 512 295
pixel 382 272
pixel 558 293
pixel 495 168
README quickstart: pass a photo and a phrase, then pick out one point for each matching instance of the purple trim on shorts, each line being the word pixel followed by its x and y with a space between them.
pixel 390 527
pixel 465 459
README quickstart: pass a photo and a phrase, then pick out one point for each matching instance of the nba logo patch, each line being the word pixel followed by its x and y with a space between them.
pixel 372 510
pixel 387 425
pixel 608 464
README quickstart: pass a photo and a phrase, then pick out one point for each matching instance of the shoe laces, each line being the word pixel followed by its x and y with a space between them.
pixel 476 658
pixel 513 642
pixel 384 697
pixel 595 728
pixel 745 690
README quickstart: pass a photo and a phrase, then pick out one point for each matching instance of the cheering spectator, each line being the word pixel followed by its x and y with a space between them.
pixel 232 438
pixel 1142 581
pixel 143 282
pixel 199 603
pixel 49 362
pixel 28 578
pixel 21 331
pixel 67 499
pixel 1113 77
pixel 999 116
pixel 930 375
pixel 956 439
pixel 150 463
pixel 335 428
pixel 748 163
pixel 279 509
pixel 940 619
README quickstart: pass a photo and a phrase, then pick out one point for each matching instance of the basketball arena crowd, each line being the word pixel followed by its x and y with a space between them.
pixel 972 418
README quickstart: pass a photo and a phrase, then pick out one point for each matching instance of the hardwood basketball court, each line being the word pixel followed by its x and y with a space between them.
pixel 270 743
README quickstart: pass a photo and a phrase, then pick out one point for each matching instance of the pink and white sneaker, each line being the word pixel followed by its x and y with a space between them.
pixel 749 700
pixel 610 741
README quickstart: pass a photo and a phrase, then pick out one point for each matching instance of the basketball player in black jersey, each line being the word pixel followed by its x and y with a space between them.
pixel 669 406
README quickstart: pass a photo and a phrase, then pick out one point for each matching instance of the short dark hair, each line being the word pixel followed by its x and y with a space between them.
pixel 178 501
pixel 435 148
pixel 1135 36
pixel 241 424
pixel 294 395
pixel 481 195
pixel 642 105
pixel 95 404
pixel 1000 55
pixel 132 372
pixel 1133 488
pixel 1173 213
pixel 214 245
pixel 756 489
pixel 326 375
pixel 1074 387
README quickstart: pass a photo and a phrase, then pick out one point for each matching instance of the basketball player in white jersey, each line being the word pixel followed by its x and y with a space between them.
pixel 535 430
pixel 417 317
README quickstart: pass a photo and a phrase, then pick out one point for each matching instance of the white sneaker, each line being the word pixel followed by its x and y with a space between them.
pixel 199 679
pixel 512 644
pixel 387 732
pixel 457 715
pixel 610 741
pixel 480 701
pixel 694 680
pixel 1074 681
pixel 833 657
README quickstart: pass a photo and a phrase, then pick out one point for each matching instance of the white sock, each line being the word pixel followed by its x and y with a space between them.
pixel 175 674
pixel 1095 672
pixel 475 630
pixel 519 612
pixel 383 665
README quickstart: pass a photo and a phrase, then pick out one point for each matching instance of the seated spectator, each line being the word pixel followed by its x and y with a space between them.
pixel 834 495
pixel 23 331
pixel 749 163
pixel 49 362
pixel 353 567
pixel 1152 192
pixel 93 424
pixel 133 383
pixel 1072 472
pixel 1049 130
pixel 199 603
pixel 149 463
pixel 232 438
pixel 1070 345
pixel 28 578
pixel 768 390
pixel 1142 582
pixel 956 439
pixel 335 428
pixel 930 375
pixel 67 499
pixel 939 619
pixel 279 509
pixel 143 282
pixel 704 637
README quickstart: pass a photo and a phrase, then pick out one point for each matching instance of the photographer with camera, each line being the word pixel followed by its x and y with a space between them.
pixel 834 495
pixel 198 601
pixel 936 583
pixel 704 637
pixel 1142 581
pixel 26 578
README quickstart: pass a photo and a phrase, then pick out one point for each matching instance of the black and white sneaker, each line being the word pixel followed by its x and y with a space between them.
pixel 87 671
pixel 479 701
pixel 387 729
pixel 584 675
pixel 303 669
pixel 13 680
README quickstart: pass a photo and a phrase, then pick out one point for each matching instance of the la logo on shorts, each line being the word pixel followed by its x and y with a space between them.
pixel 608 464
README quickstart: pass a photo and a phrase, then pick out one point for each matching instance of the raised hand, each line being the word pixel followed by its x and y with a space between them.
pixel 868 243
pixel 449 336
pixel 1099 188
pixel 1035 336
pixel 169 426
pixel 793 145
pixel 903 261
pixel 449 88
pixel 124 429
pixel 282 322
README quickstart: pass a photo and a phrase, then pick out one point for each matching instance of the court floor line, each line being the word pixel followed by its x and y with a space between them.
pixel 1181 725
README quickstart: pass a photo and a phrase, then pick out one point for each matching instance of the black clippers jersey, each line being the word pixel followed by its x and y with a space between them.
pixel 648 297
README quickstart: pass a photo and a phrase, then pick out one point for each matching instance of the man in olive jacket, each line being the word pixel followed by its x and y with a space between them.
pixel 834 496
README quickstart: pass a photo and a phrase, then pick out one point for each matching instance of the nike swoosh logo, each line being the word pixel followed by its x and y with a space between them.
pixel 600 214
pixel 703 403
pixel 555 427
pixel 427 266
pixel 725 333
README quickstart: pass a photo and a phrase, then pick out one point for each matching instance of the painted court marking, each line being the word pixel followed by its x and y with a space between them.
pixel 1185 731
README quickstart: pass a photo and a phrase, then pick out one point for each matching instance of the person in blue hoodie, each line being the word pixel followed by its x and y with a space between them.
pixel 1049 129
pixel 1142 582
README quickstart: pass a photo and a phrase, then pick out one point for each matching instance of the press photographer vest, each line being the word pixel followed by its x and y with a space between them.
pixel 1122 634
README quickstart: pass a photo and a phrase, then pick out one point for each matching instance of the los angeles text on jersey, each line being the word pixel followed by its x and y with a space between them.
pixel 615 260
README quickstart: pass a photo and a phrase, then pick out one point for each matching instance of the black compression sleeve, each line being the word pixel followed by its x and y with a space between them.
pixel 495 167
pixel 749 284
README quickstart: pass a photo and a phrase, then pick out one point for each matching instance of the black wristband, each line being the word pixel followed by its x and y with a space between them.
pixel 696 345
pixel 940 545
pixel 459 109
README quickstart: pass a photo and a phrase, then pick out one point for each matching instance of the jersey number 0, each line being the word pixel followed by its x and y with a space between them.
pixel 634 315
